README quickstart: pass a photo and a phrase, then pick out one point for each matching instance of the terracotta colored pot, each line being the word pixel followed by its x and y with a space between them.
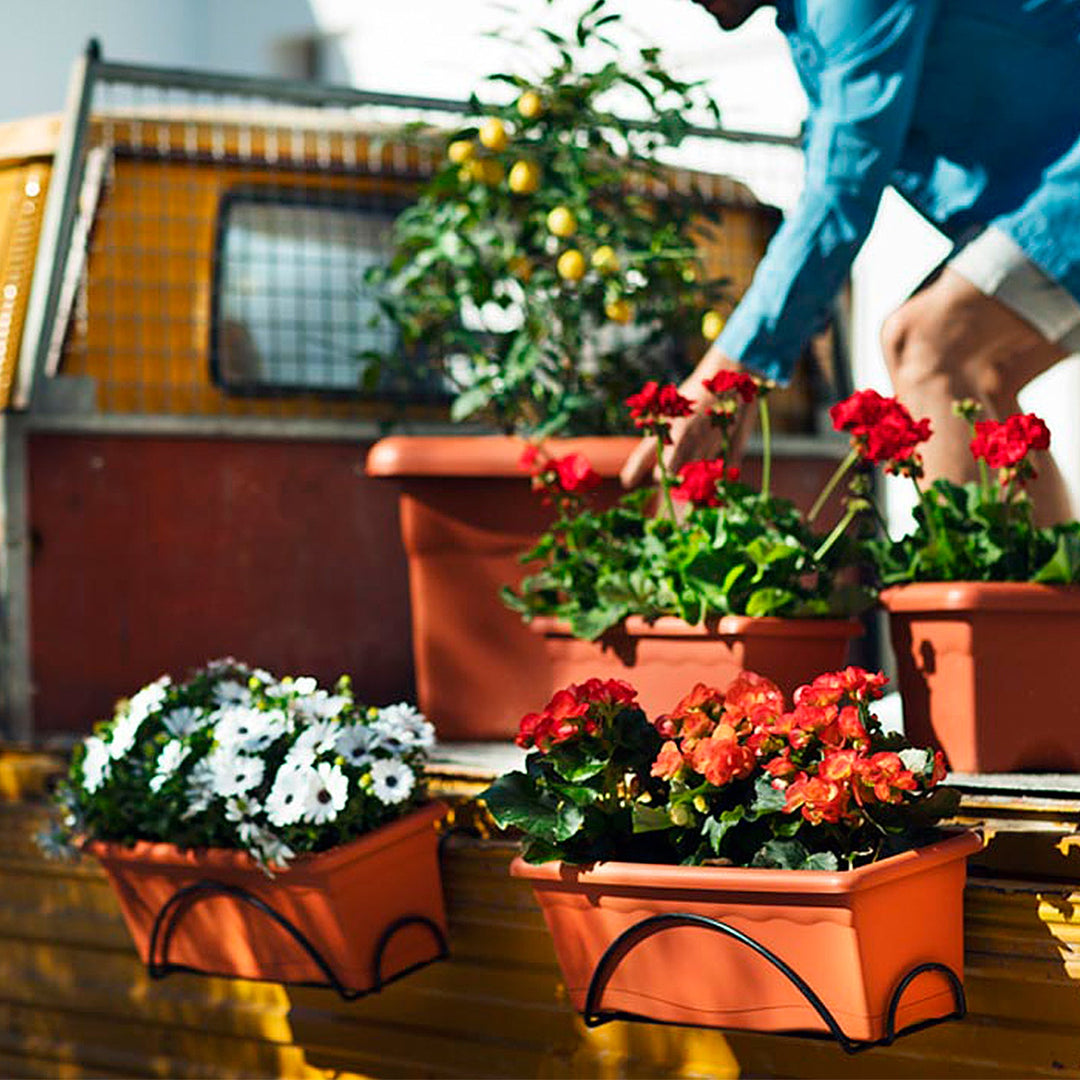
pixel 852 936
pixel 984 671
pixel 666 659
pixel 342 900
pixel 467 512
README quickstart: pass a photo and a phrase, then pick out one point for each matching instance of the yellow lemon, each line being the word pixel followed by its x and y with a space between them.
pixel 561 222
pixel 571 265
pixel 605 260
pixel 524 177
pixel 619 311
pixel 530 105
pixel 460 151
pixel 712 322
pixel 493 134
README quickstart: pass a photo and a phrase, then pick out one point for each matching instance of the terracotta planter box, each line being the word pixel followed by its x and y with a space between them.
pixel 665 659
pixel 467 512
pixel 984 671
pixel 852 936
pixel 342 900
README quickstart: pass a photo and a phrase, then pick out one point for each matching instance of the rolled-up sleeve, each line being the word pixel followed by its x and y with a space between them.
pixel 870 60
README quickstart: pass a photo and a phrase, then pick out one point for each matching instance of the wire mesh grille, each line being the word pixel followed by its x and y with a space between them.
pixel 229 234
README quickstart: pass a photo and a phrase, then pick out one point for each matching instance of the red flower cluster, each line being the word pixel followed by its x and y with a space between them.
pixel 654 405
pixel 820 753
pixel 1006 443
pixel 571 474
pixel 576 476
pixel 732 382
pixel 697 481
pixel 577 711
pixel 882 430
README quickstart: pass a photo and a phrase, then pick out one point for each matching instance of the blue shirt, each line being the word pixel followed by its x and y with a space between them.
pixel 969 108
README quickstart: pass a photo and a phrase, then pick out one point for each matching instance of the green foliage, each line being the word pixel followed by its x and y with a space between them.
pixel 755 555
pixel 475 285
pixel 971 532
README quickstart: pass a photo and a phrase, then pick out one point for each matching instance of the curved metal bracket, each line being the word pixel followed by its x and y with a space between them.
pixel 634 935
pixel 182 901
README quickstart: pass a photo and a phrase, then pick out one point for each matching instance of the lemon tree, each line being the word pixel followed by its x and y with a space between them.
pixel 541 271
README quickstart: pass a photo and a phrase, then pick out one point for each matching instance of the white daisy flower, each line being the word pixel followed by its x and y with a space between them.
pixel 405 727
pixel 185 720
pixel 391 781
pixel 200 788
pixel 304 685
pixel 235 773
pixel 169 760
pixel 97 764
pixel 318 737
pixel 249 730
pixel 231 692
pixel 327 795
pixel 320 705
pixel 127 724
pixel 299 757
pixel 269 850
pixel 288 797
pixel 354 743
pixel 239 808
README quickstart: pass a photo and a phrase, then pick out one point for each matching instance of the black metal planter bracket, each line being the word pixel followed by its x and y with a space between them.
pixel 634 935
pixel 182 901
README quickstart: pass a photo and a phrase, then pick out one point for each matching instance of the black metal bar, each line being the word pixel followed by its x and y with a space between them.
pixel 634 935
pixel 174 909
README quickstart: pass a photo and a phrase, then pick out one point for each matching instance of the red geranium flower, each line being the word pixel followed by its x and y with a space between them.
pixel 1004 444
pixel 732 382
pixel 576 475
pixel 881 429
pixel 604 692
pixel 697 481
pixel 654 401
pixel 882 776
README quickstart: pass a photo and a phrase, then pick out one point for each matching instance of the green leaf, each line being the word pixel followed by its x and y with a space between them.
pixel 781 855
pixel 578 762
pixel 820 860
pixel 1063 567
pixel 768 601
pixel 767 799
pixel 514 802
pixel 715 828
pixel 469 402
pixel 650 818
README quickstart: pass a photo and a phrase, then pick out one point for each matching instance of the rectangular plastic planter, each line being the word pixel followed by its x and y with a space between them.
pixel 983 669
pixel 344 901
pixel 851 935
pixel 665 659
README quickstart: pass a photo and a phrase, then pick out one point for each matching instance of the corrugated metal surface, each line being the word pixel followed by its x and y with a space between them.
pixel 74 1000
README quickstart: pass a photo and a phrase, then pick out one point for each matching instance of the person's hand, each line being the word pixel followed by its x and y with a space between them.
pixel 692 437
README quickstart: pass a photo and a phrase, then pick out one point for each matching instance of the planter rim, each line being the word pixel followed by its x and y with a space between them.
pixel 730 879
pixel 980 596
pixel 163 853
pixel 725 626
pixel 486 455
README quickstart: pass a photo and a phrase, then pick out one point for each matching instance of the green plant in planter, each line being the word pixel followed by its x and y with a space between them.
pixel 541 272
pixel 730 777
pixel 735 551
pixel 982 530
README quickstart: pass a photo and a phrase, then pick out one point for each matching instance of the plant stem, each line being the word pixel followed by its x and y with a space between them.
pixel 854 507
pixel 665 478
pixel 830 486
pixel 766 446
pixel 920 496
